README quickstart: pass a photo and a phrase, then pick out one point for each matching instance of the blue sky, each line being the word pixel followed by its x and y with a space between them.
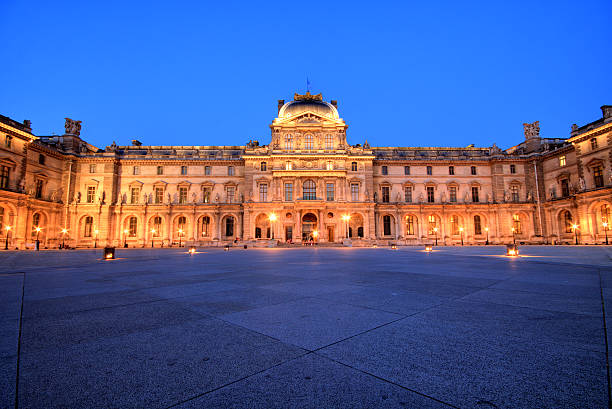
pixel 404 73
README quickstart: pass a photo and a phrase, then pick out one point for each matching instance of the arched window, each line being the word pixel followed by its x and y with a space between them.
pixel 205 226
pixel 229 226
pixel 516 224
pixel 2 218
pixel 89 226
pixel 310 190
pixel 289 142
pixel 605 214
pixel 181 222
pixel 568 222
pixel 157 226
pixel 133 227
pixel 35 223
pixel 329 142
pixel 308 142
pixel 409 225
pixel 433 225
pixel 387 225
pixel 454 222
pixel 477 225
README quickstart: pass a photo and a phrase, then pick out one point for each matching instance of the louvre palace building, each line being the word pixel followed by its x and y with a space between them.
pixel 308 184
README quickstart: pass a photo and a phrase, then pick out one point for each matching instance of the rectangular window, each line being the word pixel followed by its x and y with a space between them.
pixel 512 168
pixel 308 142
pixel 433 225
pixel 288 165
pixel 408 194
pixel 8 141
pixel 387 225
pixel 41 159
pixel 206 194
pixel 565 188
pixel 263 166
pixel 183 170
pixel 562 160
pixel 406 170
pixel 134 195
pixel 39 188
pixel 514 189
pixel 329 165
pixel 475 194
pixel 230 171
pixel 182 195
pixel 91 194
pixel 289 142
pixel 133 229
pixel 207 170
pixel 355 192
pixel 4 177
pixel 452 191
pixel 263 192
pixel 159 195
pixel 473 170
pixel 430 194
pixel 385 194
pixel 329 142
pixel 329 189
pixel 160 170
pixel 353 166
pixel 429 170
pixel 598 176
pixel 92 168
pixel 385 170
pixel 593 143
pixel 136 170
pixel 451 170
pixel 288 192
pixel 230 191
pixel 409 225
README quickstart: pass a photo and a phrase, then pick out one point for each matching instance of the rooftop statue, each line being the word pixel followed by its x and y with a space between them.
pixel 307 97
pixel 72 127
pixel 532 130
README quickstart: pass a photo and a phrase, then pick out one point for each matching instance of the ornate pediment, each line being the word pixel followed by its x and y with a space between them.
pixel 308 119
pixel 308 97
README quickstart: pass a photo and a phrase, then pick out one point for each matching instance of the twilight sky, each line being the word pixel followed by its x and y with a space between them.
pixel 210 73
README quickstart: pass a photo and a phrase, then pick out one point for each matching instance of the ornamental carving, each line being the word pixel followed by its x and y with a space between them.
pixel 308 97
pixel 531 130
pixel 72 127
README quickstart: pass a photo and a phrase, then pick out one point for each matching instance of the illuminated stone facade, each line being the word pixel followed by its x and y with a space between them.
pixel 317 186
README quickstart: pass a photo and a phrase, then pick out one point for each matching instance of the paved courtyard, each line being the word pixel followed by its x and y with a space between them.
pixel 306 328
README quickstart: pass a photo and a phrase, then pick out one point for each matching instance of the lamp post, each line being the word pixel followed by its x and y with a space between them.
pixel 64 231
pixel 125 233
pixel 272 218
pixel 152 237
pixel 315 234
pixel 461 232
pixel 513 236
pixel 435 229
pixel 38 229
pixel 180 232
pixel 487 230
pixel 346 218
pixel 575 227
pixel 8 230
pixel 96 231
pixel 605 226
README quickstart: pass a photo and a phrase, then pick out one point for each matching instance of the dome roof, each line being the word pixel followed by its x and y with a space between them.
pixel 308 102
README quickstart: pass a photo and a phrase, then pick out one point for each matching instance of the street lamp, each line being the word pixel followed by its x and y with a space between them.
pixel 605 225
pixel 272 218
pixel 8 230
pixel 180 231
pixel 435 229
pixel 461 232
pixel 346 218
pixel 38 229
pixel 513 236
pixel 152 237
pixel 575 227
pixel 96 231
pixel 64 231
pixel 487 230
pixel 125 233
pixel 315 234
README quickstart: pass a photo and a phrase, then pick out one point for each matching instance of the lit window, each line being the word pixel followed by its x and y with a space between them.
pixel 516 224
pixel 562 160
pixel 330 192
pixel 157 226
pixel 181 223
pixel 159 195
pixel 308 142
pixel 288 192
pixel 35 223
pixel 91 194
pixel 263 192
pixel 409 225
pixel 206 193
pixel 431 219
pixel 289 142
pixel 330 165
pixel 454 224
pixel 205 227
pixel 288 165
pixel 133 226
pixel 329 142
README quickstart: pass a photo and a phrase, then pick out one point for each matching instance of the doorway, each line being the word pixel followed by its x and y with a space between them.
pixel 309 226
pixel 330 234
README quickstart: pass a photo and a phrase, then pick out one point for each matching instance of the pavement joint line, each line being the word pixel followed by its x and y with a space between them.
pixel 19 343
pixel 389 381
pixel 603 312
pixel 237 380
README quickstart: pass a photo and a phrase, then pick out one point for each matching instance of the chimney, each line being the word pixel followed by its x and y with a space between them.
pixel 606 111
pixel 136 142
pixel 334 103
pixel 28 124
pixel 281 102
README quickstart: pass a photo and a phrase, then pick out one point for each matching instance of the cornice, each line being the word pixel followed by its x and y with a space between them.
pixel 593 132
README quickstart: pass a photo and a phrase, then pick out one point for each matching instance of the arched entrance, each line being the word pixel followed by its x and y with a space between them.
pixel 309 227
